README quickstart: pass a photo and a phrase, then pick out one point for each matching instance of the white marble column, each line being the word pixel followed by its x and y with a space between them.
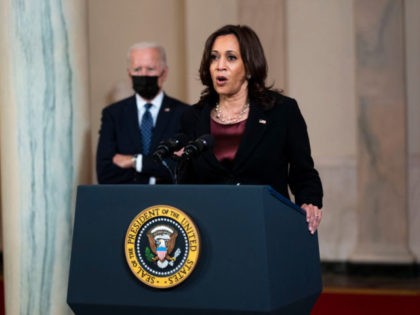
pixel 44 129
pixel 382 133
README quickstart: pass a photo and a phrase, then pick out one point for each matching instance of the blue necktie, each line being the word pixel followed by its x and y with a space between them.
pixel 146 128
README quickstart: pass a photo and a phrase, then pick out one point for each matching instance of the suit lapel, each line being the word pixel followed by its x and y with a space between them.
pixel 203 126
pixel 165 114
pixel 132 119
pixel 255 128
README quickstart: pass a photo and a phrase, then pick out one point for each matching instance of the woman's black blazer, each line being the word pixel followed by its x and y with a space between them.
pixel 274 150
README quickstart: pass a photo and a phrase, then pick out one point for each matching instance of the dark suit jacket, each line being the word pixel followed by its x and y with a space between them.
pixel 120 133
pixel 274 150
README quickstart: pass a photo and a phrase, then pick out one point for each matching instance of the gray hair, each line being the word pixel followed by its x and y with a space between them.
pixel 143 45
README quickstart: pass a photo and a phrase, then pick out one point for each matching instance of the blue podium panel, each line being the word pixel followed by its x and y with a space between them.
pixel 257 255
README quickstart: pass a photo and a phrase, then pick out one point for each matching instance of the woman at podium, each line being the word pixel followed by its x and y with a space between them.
pixel 258 136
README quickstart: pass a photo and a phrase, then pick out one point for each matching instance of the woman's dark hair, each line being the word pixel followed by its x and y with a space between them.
pixel 254 60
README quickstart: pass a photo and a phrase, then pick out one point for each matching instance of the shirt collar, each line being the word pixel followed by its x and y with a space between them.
pixel 157 101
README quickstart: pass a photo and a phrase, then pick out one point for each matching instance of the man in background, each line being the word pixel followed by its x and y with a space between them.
pixel 132 128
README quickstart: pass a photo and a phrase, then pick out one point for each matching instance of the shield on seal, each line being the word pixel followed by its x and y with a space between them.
pixel 161 252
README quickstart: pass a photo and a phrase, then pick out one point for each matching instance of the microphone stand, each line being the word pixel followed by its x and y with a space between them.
pixel 165 164
pixel 178 168
pixel 173 175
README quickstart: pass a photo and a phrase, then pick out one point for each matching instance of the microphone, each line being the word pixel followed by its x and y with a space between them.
pixel 167 147
pixel 194 148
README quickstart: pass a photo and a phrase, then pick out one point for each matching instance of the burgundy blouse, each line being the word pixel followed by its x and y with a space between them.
pixel 226 139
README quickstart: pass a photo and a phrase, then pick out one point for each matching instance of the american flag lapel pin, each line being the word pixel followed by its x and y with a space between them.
pixel 262 121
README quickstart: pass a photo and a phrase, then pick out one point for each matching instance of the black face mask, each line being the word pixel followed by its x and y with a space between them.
pixel 146 86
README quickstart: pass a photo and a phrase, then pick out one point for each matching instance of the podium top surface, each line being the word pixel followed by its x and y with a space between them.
pixel 237 189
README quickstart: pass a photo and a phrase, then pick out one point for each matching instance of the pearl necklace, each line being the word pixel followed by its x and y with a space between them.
pixel 233 119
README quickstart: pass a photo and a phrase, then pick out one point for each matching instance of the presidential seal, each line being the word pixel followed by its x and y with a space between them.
pixel 162 246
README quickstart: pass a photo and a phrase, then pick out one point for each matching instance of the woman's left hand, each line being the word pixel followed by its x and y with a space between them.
pixel 313 216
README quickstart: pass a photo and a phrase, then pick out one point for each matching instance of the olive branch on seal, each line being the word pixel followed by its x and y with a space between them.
pixel 149 255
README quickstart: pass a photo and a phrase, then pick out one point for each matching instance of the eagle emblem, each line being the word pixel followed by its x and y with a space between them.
pixel 162 239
